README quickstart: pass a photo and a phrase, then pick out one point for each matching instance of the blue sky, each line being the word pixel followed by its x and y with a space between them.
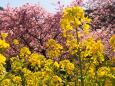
pixel 49 5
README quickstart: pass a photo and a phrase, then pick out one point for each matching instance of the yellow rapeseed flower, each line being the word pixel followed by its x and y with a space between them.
pixel 103 71
pixel 2 71
pixel 54 49
pixel 70 68
pixel 86 28
pixel 73 46
pixel 36 59
pixel 24 51
pixel 3 44
pixel 4 35
pixel 17 80
pixel 77 22
pixel 56 64
pixel 6 82
pixel 112 42
pixel 91 70
pixel 16 42
pixel 26 71
pixel 56 79
pixel 2 59
pixel 86 19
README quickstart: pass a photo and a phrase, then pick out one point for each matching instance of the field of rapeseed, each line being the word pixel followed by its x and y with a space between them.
pixel 85 63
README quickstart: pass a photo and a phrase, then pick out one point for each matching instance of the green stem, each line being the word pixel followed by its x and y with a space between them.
pixel 80 61
pixel 79 57
pixel 103 84
pixel 81 71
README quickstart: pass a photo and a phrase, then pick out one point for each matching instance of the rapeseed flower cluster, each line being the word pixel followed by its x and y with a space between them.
pixel 36 59
pixel 2 59
pixel 33 69
pixel 36 71
pixel 93 49
pixel 4 35
pixel 112 42
pixel 73 18
pixel 89 52
pixel 56 79
pixel 6 82
pixel 3 44
pixel 24 52
pixel 67 66
pixel 105 72
pixel 72 45
pixel 54 49
pixel 16 64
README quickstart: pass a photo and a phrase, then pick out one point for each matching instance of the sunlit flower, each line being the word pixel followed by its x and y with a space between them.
pixel 56 64
pixel 24 51
pixel 3 44
pixel 54 49
pixel 56 79
pixel 70 68
pixel 103 71
pixel 36 59
pixel 4 35
pixel 112 42
pixel 17 80
pixel 2 59
pixel 86 28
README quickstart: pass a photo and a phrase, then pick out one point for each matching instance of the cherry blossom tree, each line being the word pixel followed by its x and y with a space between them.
pixel 31 25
